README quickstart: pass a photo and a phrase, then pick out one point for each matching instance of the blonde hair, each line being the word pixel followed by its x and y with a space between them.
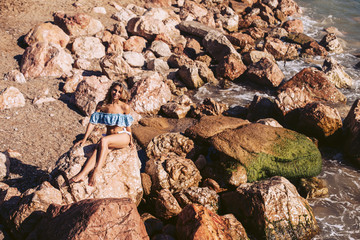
pixel 124 96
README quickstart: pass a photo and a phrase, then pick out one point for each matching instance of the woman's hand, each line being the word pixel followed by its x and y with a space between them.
pixel 80 143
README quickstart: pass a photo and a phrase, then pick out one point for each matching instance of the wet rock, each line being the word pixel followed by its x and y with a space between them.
pixel 119 177
pixel 4 165
pixel 231 67
pixel 265 72
pixel 196 195
pixel 218 45
pixel 169 143
pixel 92 219
pixel 209 107
pixel 209 126
pixel 134 59
pixel 11 97
pixel 172 172
pixel 331 43
pixel 255 56
pixel 313 187
pixel 149 94
pixel 177 108
pixel 299 38
pixel 166 205
pixel 47 32
pixel 336 74
pixel 89 92
pixel 44 59
pixel 78 25
pixel 319 120
pixel 352 132
pixel 31 208
pixel 15 76
pixel 88 48
pixel 160 48
pixel 135 44
pixel 115 67
pixel 281 50
pixel 313 49
pixel 272 209
pixel 316 85
pixel 258 147
pixel 261 107
pixel 289 7
pixel 294 26
pixel 158 65
pixel 198 222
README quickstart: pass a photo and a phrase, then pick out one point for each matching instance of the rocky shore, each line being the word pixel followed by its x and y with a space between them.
pixel 201 170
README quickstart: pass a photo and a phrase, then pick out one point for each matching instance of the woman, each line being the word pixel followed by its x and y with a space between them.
pixel 114 113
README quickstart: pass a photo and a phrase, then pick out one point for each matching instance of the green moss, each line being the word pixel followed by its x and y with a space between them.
pixel 293 158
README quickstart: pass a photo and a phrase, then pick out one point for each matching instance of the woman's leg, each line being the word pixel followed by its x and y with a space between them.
pixel 89 165
pixel 107 143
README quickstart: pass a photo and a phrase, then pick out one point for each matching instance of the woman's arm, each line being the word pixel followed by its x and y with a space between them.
pixel 89 129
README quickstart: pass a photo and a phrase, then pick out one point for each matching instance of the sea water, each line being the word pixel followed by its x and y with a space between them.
pixel 338 214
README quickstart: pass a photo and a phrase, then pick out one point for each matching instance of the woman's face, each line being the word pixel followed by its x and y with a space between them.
pixel 116 92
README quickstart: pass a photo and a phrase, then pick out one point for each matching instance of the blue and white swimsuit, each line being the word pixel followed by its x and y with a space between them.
pixel 113 119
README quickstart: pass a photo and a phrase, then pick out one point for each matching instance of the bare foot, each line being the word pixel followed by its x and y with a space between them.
pixel 76 178
pixel 92 179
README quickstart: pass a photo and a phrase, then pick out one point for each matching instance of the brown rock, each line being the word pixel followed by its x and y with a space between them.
pixel 47 32
pixel 319 120
pixel 135 44
pixel 255 56
pixel 313 187
pixel 192 48
pixel 331 43
pixel 237 231
pixel 88 48
pixel 242 40
pixel 291 100
pixel 231 67
pixel 239 7
pixel 272 209
pixel 198 222
pixel 316 84
pixel 158 3
pixel 261 107
pixel 299 38
pixel 193 9
pixel 288 7
pixel 352 132
pixel 78 25
pixel 195 28
pixel 295 25
pixel 44 59
pixel 31 208
pixel 72 82
pixel 196 195
pixel 312 48
pixel 4 167
pixel 190 76
pixel 144 134
pixel 115 67
pixel 119 177
pixel 166 205
pixel 15 76
pixel 209 126
pixel 92 219
pixel 146 183
pixel 169 143
pixel 177 108
pixel 336 74
pixel 89 92
pixel 269 122
pixel 149 94
pixel 11 97
pixel 176 61
pixel 265 72
pixel 172 172
pixel 209 107
pixel 115 45
pixel 153 225
pixel 146 26
pixel 256 33
pixel 281 50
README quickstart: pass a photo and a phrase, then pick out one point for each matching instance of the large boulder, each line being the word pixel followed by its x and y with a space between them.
pixel 115 67
pixel 166 206
pixel 169 142
pixel 31 208
pixel 316 84
pixel 178 108
pixel 272 209
pixel 209 126
pixel 146 26
pixel 46 59
pixel 47 32
pixel 265 72
pixel 92 219
pixel 196 195
pixel 196 222
pixel 352 132
pixel 89 92
pixel 255 56
pixel 231 67
pixel 11 97
pixel 288 7
pixel 267 151
pixel 149 93
pixel 319 120
pixel 331 43
pixel 281 50
pixel 294 26
pixel 336 74
pixel 172 172
pixel 78 25
pixel 119 177
pixel 88 48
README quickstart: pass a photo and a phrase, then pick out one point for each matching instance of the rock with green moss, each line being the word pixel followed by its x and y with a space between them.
pixel 267 151
pixel 271 209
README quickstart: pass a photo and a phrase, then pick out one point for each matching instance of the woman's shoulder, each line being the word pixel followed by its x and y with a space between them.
pixel 126 108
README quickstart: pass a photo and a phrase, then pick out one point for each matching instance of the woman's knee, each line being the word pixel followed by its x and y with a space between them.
pixel 103 143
